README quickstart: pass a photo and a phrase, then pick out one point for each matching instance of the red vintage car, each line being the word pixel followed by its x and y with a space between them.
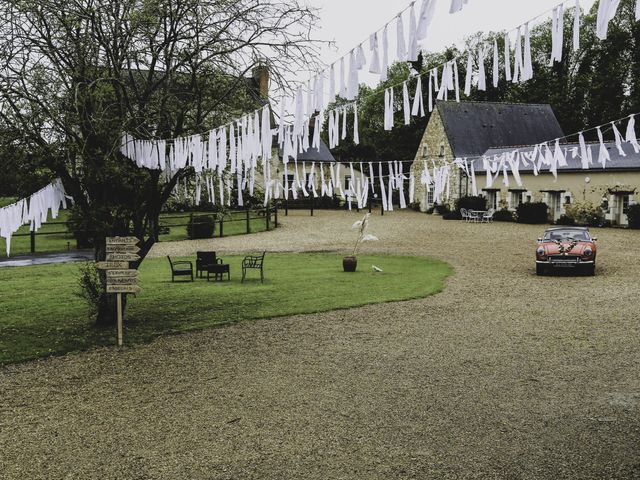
pixel 566 247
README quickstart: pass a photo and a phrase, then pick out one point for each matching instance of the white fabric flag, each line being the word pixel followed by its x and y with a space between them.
pixel 606 12
pixel 427 13
pixel 343 85
pixel 412 55
pixel 585 153
pixel 457 5
pixel 527 73
pixel 406 104
pixel 631 134
pixel 352 85
pixel 418 100
pixel 401 51
pixel 361 59
pixel 469 75
pixel 482 78
pixel 603 154
pixel 332 83
pixel 356 133
pixel 557 34
pixel 374 67
pixel 507 57
pixel 456 80
pixel 388 109
pixel 619 139
pixel 518 65
pixel 344 123
pixel 496 64
pixel 384 71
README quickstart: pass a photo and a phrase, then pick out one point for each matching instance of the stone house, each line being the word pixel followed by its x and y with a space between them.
pixel 469 129
pixel 613 188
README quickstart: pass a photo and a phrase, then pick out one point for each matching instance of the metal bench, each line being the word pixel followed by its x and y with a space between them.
pixel 204 260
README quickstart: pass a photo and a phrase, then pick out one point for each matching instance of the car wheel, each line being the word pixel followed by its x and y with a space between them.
pixel 540 269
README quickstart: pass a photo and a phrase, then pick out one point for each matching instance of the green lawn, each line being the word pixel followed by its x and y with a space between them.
pixel 41 315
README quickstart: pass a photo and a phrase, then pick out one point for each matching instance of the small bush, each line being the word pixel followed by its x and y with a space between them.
pixel 201 226
pixel 533 213
pixel 90 286
pixel 452 215
pixel 442 209
pixel 566 220
pixel 503 215
pixel 586 213
pixel 471 203
pixel 430 210
pixel 633 214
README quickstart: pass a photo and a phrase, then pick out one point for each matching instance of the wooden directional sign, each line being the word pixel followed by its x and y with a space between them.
pixel 122 281
pixel 121 248
pixel 122 240
pixel 122 274
pixel 112 265
pixel 123 289
pixel 123 257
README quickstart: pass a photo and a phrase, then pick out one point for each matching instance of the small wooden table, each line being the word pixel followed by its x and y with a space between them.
pixel 218 270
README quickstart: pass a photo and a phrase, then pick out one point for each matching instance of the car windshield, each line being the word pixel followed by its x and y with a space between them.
pixel 568 234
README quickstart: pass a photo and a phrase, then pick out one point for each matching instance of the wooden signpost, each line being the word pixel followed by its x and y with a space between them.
pixel 120 278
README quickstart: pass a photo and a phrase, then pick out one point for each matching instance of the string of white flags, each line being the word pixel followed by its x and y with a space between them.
pixel 33 211
pixel 546 156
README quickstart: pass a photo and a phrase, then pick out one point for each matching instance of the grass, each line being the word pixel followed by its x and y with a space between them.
pixel 41 314
pixel 52 238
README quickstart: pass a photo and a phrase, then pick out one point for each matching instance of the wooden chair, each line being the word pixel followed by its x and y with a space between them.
pixel 253 262
pixel 203 260
pixel 179 269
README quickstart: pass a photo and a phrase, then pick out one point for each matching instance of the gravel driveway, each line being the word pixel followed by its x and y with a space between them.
pixel 504 375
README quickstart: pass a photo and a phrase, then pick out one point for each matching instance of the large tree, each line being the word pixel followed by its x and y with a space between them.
pixel 75 75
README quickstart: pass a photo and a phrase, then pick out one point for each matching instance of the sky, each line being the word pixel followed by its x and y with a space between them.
pixel 350 22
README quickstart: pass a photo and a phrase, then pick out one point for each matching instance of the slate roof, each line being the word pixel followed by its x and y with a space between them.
pixel 474 127
pixel 629 163
pixel 313 154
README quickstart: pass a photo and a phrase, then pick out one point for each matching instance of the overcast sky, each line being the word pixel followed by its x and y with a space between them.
pixel 349 22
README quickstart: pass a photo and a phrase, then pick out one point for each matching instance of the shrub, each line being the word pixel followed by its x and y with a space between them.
pixel 503 215
pixel 471 203
pixel 633 214
pixel 566 220
pixel 201 226
pixel 533 213
pixel 456 215
pixel 442 209
pixel 430 210
pixel 586 213
pixel 90 286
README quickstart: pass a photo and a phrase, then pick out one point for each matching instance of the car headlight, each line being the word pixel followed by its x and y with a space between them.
pixel 588 252
pixel 540 252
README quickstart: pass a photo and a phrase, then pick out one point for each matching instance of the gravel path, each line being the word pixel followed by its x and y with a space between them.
pixel 504 375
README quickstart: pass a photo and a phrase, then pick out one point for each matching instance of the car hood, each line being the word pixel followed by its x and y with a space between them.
pixel 552 248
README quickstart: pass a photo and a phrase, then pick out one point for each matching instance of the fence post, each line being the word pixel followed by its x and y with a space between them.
pixel 221 227
pixel 286 208
pixel 276 215
pixel 381 209
pixel 312 202
pixel 33 241
pixel 370 202
pixel 267 215
pixel 248 222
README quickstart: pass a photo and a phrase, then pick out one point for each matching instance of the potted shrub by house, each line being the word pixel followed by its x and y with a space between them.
pixel 350 263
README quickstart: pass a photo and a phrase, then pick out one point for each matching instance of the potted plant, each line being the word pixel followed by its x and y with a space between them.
pixel 350 263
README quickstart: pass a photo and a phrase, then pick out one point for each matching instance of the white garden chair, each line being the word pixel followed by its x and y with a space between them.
pixel 465 214
pixel 473 216
pixel 488 217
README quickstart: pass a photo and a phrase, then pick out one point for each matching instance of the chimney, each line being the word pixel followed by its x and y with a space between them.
pixel 261 77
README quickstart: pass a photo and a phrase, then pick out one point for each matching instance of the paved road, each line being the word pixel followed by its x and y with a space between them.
pixel 504 375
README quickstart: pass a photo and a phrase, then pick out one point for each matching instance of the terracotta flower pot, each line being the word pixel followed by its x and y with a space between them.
pixel 349 264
